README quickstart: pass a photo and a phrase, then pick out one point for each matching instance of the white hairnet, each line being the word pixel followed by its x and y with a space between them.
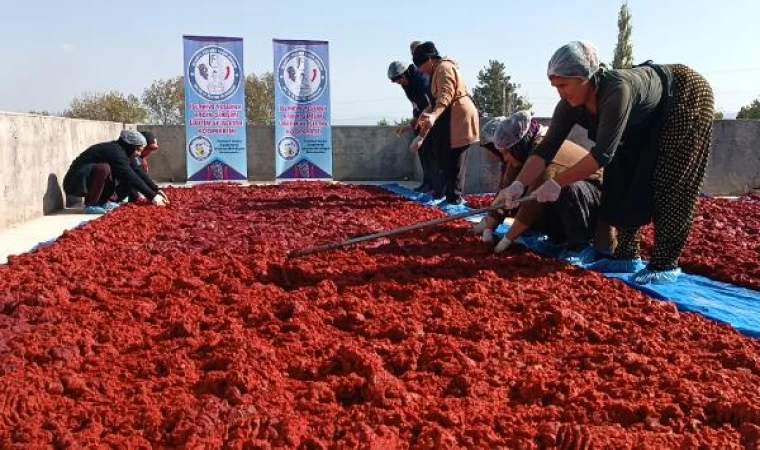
pixel 511 130
pixel 488 130
pixel 578 59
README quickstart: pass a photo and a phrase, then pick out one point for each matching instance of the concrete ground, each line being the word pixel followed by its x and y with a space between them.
pixel 27 236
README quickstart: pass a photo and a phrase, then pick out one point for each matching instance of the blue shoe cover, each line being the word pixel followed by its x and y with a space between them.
pixel 110 206
pixel 578 258
pixel 438 201
pixel 646 276
pixel 617 265
pixel 94 209
pixel 454 208
pixel 424 198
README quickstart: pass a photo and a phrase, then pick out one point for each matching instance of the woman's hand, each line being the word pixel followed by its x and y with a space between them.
pixel 426 122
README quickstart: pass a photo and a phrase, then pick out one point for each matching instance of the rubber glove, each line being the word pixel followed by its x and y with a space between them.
pixel 548 192
pixel 508 195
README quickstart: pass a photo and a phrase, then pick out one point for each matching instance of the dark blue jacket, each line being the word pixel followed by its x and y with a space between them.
pixel 418 89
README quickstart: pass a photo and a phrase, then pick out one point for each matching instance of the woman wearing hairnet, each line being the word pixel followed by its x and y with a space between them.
pixel 489 223
pixel 451 123
pixel 652 126
pixel 572 219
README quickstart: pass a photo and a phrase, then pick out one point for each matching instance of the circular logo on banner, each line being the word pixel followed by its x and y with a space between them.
pixel 200 148
pixel 288 148
pixel 214 73
pixel 302 75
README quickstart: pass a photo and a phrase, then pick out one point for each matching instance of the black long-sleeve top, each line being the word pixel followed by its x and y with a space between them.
pixel 627 100
pixel 115 155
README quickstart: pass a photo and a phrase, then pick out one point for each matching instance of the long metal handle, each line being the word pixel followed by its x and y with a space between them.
pixel 395 231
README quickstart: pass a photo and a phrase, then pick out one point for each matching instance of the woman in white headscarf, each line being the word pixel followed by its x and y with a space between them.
pixel 652 125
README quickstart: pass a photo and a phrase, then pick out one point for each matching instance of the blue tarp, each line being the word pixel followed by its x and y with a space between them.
pixel 723 302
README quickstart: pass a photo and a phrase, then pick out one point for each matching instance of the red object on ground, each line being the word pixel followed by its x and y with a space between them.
pixel 724 243
pixel 185 327
pixel 479 201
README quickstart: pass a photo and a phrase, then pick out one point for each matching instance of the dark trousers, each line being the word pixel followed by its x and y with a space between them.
pixel 432 178
pixel 684 146
pixel 453 163
pixel 94 182
pixel 572 219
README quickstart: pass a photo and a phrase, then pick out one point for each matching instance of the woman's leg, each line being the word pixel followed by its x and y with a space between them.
pixel 681 164
pixel 97 185
pixel 454 167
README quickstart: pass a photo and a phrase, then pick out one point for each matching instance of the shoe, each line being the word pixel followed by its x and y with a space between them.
pixel 646 276
pixel 95 209
pixel 422 188
pixel 617 265
pixel 110 206
pixel 455 200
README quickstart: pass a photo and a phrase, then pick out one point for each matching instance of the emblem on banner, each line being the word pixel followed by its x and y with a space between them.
pixel 302 75
pixel 200 148
pixel 214 73
pixel 288 148
pixel 304 169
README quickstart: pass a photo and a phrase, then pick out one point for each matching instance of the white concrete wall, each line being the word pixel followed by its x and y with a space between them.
pixel 375 153
pixel 35 152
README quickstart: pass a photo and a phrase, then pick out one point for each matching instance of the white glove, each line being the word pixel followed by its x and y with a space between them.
pixel 502 245
pixel 508 195
pixel 416 144
pixel 163 194
pixel 160 200
pixel 487 237
pixel 480 227
pixel 548 192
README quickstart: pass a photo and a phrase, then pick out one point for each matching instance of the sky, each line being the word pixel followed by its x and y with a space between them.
pixel 54 51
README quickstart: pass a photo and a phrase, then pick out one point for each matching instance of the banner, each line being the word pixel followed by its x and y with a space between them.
pixel 303 137
pixel 215 121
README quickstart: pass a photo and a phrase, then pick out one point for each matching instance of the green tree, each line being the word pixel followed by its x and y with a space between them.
pixel 495 95
pixel 751 111
pixel 718 115
pixel 259 98
pixel 623 58
pixel 383 122
pixel 165 101
pixel 111 106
